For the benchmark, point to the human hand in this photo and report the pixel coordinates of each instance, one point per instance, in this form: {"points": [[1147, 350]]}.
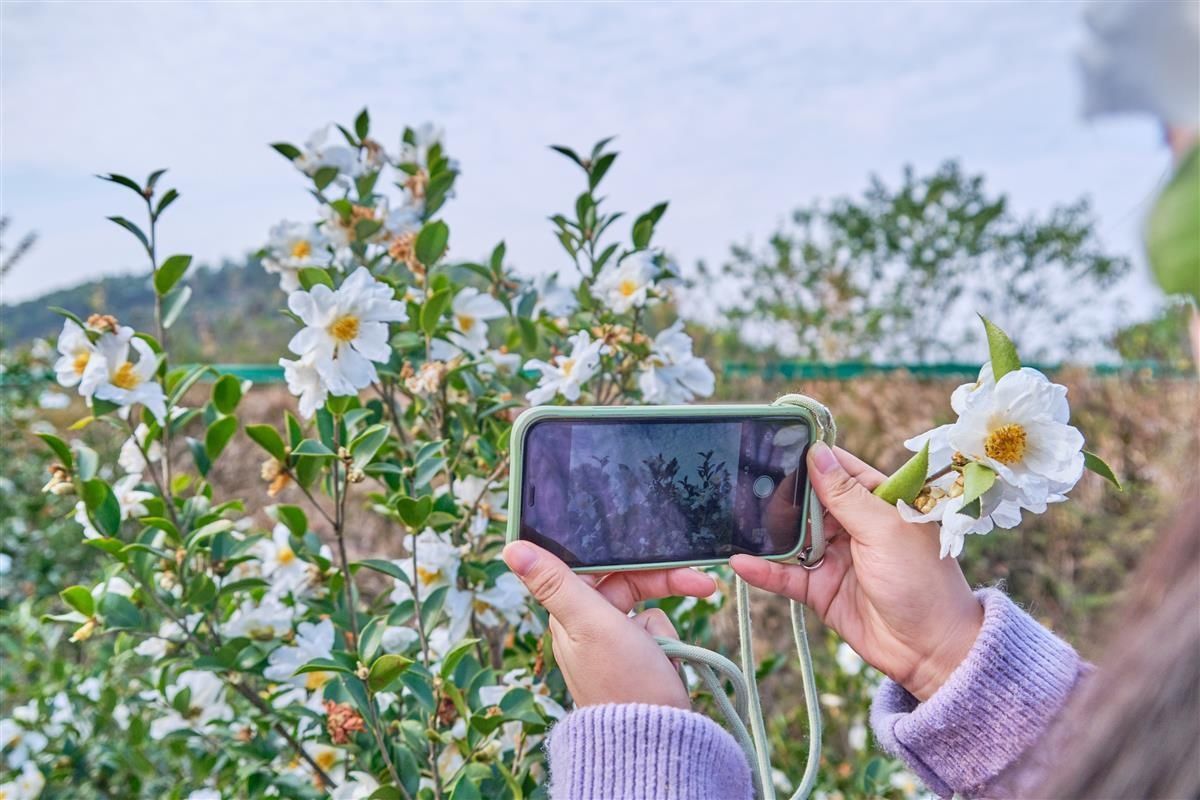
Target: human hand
{"points": [[605, 655], [882, 585]]}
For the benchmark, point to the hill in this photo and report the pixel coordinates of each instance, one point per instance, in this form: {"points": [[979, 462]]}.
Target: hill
{"points": [[233, 315]]}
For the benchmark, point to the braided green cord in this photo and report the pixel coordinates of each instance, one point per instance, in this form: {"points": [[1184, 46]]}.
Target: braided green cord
{"points": [[710, 665]]}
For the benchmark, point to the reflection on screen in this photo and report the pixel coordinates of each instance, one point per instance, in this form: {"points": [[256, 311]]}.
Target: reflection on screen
{"points": [[639, 492]]}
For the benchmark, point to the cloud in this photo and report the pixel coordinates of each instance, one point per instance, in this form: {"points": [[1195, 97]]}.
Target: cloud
{"points": [[735, 113]]}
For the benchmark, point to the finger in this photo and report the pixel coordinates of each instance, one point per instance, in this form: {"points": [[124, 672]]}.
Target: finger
{"points": [[551, 582], [788, 580], [626, 589], [657, 623], [862, 515], [862, 472]]}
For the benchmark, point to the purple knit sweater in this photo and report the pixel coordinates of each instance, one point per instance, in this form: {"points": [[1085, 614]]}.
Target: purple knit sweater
{"points": [[990, 712]]}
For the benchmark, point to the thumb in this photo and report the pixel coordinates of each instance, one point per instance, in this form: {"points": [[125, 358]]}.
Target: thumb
{"points": [[551, 582], [863, 515]]}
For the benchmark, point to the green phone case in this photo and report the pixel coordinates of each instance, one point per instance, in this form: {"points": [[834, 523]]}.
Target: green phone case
{"points": [[728, 411]]}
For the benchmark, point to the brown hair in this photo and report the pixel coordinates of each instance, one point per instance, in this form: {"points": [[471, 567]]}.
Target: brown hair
{"points": [[1133, 731]]}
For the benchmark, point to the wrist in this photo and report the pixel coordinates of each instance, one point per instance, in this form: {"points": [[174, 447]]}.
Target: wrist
{"points": [[951, 649]]}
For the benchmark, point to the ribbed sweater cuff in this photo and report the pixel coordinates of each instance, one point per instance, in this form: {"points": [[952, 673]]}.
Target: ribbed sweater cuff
{"points": [[993, 708], [636, 751]]}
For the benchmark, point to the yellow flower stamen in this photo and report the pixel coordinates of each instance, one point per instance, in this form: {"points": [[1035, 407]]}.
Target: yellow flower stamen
{"points": [[1006, 444], [465, 322], [285, 555], [326, 759], [627, 287], [344, 329], [427, 575], [301, 249], [125, 377], [568, 366], [316, 680], [81, 361]]}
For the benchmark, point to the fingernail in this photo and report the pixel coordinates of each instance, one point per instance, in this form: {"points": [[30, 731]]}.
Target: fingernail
{"points": [[520, 557], [823, 458]]}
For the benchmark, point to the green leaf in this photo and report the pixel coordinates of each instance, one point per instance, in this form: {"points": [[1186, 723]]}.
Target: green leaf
{"points": [[227, 393], [314, 276], [465, 789], [1099, 466], [977, 479], [380, 565], [201, 590], [906, 483], [435, 306], [121, 180], [218, 435], [324, 176], [294, 518], [88, 462], [167, 275], [568, 152], [599, 169], [119, 612], [1171, 241], [414, 511], [324, 665], [174, 303], [288, 151], [362, 124], [972, 509], [371, 638], [60, 448], [431, 242], [456, 654], [102, 507], [199, 456], [313, 448], [366, 444], [386, 669], [1002, 351], [169, 196], [132, 228], [266, 437], [80, 599], [643, 231]]}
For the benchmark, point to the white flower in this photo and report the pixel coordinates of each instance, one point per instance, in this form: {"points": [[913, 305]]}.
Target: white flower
{"points": [[130, 499], [360, 786], [848, 661], [131, 459], [75, 351], [288, 573], [424, 137], [1020, 430], [505, 601], [342, 231], [566, 374], [476, 491], [21, 744], [856, 737], [318, 154], [169, 633], [206, 706], [304, 381], [293, 246], [500, 360], [312, 641], [627, 284], [553, 299], [906, 783], [346, 329], [471, 311], [110, 375], [672, 374], [51, 399], [520, 678], [437, 565], [269, 619], [331, 759], [397, 639], [26, 786], [204, 794]]}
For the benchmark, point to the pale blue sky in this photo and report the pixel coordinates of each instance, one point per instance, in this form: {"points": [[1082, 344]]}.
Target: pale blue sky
{"points": [[735, 113]]}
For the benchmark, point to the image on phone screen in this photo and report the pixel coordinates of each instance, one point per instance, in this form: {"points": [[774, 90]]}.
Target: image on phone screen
{"points": [[624, 492]]}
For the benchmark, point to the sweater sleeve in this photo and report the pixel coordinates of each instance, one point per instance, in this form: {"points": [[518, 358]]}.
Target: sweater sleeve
{"points": [[993, 709], [635, 751]]}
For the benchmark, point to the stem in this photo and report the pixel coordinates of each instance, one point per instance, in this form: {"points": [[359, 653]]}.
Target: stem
{"points": [[487, 482], [161, 333]]}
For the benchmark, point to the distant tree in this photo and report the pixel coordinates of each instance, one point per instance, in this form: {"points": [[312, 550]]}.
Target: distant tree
{"points": [[1163, 339], [898, 273]]}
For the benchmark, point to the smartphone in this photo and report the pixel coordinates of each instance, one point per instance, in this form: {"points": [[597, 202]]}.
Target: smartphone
{"points": [[634, 487]]}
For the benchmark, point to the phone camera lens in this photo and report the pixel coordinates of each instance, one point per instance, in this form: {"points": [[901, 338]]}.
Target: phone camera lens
{"points": [[763, 486]]}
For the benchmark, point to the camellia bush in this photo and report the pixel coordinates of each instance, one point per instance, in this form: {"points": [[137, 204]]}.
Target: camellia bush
{"points": [[259, 656]]}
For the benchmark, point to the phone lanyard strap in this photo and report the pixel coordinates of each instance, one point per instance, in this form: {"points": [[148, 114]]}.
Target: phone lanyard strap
{"points": [[715, 669]]}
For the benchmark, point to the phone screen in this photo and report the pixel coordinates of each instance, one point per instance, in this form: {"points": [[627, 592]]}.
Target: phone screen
{"points": [[609, 492]]}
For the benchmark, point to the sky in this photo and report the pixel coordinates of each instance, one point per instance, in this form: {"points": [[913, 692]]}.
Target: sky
{"points": [[734, 113]]}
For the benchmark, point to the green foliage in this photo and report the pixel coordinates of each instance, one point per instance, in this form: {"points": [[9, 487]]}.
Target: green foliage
{"points": [[897, 273], [905, 483]]}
